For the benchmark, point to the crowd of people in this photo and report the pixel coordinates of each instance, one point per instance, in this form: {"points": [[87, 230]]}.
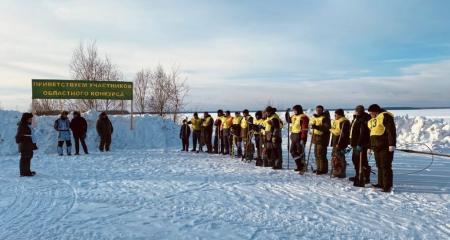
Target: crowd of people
{"points": [[259, 138], [65, 128]]}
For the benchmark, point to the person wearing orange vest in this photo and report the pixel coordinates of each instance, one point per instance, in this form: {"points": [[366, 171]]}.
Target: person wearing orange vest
{"points": [[218, 143], [299, 123], [226, 121], [340, 138], [383, 139], [320, 124], [196, 124]]}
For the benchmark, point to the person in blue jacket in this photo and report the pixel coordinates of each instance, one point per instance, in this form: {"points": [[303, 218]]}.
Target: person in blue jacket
{"points": [[62, 125]]}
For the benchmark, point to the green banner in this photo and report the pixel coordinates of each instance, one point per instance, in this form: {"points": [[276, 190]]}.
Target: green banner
{"points": [[81, 89]]}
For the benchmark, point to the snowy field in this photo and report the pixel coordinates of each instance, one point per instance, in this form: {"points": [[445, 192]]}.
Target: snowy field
{"points": [[146, 189]]}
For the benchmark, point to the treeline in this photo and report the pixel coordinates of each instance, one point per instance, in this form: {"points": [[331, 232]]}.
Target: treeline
{"points": [[156, 89]]}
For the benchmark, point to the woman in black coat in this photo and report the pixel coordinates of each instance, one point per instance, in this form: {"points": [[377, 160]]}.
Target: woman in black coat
{"points": [[27, 144]]}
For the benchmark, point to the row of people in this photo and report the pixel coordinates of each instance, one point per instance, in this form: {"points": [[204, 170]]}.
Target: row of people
{"points": [[244, 137]]}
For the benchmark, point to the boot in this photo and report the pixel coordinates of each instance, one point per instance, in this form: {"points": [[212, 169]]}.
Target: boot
{"points": [[60, 151], [69, 150]]}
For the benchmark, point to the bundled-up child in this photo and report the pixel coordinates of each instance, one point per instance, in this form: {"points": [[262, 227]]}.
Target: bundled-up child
{"points": [[185, 132]]}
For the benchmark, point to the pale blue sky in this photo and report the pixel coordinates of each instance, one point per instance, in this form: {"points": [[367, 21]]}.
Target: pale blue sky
{"points": [[242, 54]]}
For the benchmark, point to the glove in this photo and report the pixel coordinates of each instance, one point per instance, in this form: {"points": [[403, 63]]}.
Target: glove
{"points": [[358, 149], [314, 127], [35, 146], [391, 148]]}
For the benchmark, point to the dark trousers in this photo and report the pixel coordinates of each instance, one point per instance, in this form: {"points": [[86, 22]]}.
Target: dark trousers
{"points": [[79, 139], [258, 146], [105, 142], [297, 150], [185, 143], [216, 142], [207, 137], [365, 163], [195, 139], [384, 159], [320, 152], [226, 141], [25, 162]]}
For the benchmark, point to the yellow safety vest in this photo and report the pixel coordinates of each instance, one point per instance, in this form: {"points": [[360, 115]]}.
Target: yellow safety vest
{"points": [[196, 123], [226, 122], [207, 121], [336, 126], [259, 122], [237, 120], [296, 125], [376, 125], [244, 123], [318, 121]]}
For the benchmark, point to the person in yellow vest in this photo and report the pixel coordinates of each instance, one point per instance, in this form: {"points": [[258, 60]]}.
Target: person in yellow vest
{"points": [[247, 135], [258, 127], [207, 125], [383, 139], [320, 124], [196, 124], [340, 138], [236, 133], [218, 144], [299, 124], [226, 125], [273, 126]]}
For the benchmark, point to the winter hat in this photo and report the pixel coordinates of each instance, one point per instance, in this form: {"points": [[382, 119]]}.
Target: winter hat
{"points": [[298, 108], [374, 108], [339, 112]]}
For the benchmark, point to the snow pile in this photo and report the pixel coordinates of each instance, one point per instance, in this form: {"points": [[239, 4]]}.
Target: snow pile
{"points": [[433, 132], [150, 132]]}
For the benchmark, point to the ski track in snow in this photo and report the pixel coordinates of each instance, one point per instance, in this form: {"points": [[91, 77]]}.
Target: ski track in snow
{"points": [[165, 194]]}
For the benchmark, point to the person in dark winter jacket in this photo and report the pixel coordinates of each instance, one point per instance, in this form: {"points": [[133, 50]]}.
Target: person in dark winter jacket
{"points": [[26, 141], [383, 139], [62, 125], [105, 130], [360, 143], [185, 132], [79, 130], [218, 143], [299, 123], [340, 137], [207, 128], [320, 124]]}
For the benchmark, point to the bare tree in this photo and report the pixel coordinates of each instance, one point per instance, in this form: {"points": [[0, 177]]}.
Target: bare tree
{"points": [[87, 65], [141, 89], [160, 91], [179, 90]]}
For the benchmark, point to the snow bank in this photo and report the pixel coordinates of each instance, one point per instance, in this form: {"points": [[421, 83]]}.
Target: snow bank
{"points": [[433, 132], [150, 132]]}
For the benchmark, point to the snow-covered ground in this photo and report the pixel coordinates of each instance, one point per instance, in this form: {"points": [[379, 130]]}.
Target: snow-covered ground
{"points": [[146, 189]]}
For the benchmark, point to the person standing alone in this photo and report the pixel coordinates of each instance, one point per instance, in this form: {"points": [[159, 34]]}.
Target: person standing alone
{"points": [[26, 141]]}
